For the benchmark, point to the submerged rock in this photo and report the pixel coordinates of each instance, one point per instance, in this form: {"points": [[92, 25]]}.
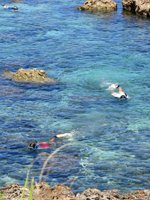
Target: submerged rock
{"points": [[139, 7], [9, 90], [29, 76], [99, 5]]}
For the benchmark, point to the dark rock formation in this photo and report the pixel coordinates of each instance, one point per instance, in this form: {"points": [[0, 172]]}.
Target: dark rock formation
{"points": [[99, 5], [139, 7], [9, 90], [29, 76]]}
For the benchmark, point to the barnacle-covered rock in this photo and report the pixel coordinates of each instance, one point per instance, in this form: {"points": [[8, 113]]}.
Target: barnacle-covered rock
{"points": [[99, 5], [29, 76], [139, 7]]}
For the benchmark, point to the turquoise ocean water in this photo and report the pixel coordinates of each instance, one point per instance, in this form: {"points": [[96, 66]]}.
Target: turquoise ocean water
{"points": [[110, 145]]}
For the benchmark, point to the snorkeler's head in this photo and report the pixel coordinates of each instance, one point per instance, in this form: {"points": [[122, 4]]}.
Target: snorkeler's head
{"points": [[32, 145], [117, 86]]}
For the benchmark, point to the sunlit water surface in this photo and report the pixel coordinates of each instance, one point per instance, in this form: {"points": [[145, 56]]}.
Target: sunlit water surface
{"points": [[110, 145]]}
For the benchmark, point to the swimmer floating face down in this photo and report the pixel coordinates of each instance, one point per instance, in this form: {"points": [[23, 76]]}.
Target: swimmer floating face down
{"points": [[46, 145], [13, 8]]}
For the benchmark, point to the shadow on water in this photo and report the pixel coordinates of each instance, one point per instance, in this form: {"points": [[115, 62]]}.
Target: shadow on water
{"points": [[132, 16], [101, 15]]}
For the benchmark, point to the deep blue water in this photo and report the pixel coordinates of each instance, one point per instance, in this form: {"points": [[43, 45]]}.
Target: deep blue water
{"points": [[110, 146]]}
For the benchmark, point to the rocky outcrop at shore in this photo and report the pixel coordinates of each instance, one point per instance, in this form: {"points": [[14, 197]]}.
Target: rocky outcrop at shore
{"points": [[98, 195], [43, 191], [99, 6], [29, 76], [139, 7]]}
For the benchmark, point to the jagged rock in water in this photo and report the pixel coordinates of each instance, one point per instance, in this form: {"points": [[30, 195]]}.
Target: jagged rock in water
{"points": [[29, 76], [99, 5], [139, 7]]}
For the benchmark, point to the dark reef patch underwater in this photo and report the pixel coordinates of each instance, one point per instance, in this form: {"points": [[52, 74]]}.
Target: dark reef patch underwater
{"points": [[109, 146]]}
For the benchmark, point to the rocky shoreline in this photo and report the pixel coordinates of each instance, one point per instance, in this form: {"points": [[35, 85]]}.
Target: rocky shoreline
{"points": [[42, 191], [138, 7]]}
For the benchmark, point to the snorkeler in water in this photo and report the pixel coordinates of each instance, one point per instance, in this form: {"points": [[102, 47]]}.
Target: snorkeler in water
{"points": [[7, 7], [46, 145], [120, 94], [41, 145]]}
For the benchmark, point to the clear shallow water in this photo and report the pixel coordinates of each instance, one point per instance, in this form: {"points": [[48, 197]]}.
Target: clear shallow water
{"points": [[85, 52]]}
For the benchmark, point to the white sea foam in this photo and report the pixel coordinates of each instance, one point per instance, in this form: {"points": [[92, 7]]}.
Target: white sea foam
{"points": [[112, 86], [108, 85]]}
